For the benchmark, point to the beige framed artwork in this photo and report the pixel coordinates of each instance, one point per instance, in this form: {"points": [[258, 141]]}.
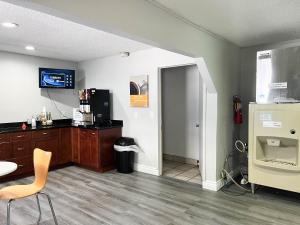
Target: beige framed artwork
{"points": [[139, 91]]}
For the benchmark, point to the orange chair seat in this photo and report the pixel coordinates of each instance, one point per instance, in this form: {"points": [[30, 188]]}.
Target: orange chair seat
{"points": [[41, 161], [19, 191]]}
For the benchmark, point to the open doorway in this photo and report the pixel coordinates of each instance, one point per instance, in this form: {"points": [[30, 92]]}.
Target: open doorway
{"points": [[181, 108]]}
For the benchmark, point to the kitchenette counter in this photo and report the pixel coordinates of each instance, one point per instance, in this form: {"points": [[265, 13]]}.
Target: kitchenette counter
{"points": [[91, 147], [64, 123]]}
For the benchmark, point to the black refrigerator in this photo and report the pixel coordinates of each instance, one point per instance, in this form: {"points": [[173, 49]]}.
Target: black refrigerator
{"points": [[100, 106]]}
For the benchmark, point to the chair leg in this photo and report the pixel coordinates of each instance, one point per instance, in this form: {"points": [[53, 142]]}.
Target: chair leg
{"points": [[51, 207], [39, 208], [8, 211]]}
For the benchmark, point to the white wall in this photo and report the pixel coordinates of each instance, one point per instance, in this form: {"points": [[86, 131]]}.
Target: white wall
{"points": [[145, 22], [20, 94], [140, 123], [181, 111]]}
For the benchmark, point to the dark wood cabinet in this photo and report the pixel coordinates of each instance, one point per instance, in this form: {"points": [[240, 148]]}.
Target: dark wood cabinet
{"points": [[4, 138], [75, 144], [25, 165], [95, 148], [65, 146], [90, 148], [21, 148], [22, 152], [48, 141], [5, 149], [20, 136], [107, 154]]}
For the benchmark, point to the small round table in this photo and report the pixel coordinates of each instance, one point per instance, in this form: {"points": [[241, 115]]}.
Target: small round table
{"points": [[7, 167]]}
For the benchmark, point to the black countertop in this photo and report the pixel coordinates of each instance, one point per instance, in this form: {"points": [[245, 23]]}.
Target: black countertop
{"points": [[17, 127]]}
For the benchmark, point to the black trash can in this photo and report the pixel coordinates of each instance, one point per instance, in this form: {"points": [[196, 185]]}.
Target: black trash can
{"points": [[124, 158]]}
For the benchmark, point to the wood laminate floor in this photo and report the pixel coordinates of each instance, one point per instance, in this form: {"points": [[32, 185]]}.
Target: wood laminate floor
{"points": [[88, 198]]}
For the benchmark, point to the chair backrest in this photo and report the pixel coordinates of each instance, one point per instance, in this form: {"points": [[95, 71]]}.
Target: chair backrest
{"points": [[41, 160]]}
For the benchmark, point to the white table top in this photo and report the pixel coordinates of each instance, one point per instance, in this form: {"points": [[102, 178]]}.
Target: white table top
{"points": [[7, 167]]}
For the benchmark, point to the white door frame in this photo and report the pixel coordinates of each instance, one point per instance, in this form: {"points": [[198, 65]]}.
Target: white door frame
{"points": [[208, 126], [202, 129]]}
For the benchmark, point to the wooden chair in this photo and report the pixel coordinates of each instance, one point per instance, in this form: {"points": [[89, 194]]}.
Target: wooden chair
{"points": [[41, 166]]}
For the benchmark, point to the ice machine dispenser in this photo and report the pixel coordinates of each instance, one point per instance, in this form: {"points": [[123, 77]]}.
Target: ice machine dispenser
{"points": [[274, 145]]}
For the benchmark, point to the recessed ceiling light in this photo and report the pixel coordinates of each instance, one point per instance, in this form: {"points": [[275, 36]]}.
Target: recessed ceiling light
{"points": [[29, 48], [10, 25]]}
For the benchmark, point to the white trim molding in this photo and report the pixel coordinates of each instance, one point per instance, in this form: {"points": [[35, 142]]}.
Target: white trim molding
{"points": [[217, 185], [146, 169], [213, 185]]}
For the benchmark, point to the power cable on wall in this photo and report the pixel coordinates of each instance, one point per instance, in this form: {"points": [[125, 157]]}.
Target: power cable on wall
{"points": [[54, 103], [242, 148]]}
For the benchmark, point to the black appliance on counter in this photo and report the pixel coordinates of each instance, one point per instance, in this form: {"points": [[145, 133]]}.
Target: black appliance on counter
{"points": [[94, 109], [100, 106]]}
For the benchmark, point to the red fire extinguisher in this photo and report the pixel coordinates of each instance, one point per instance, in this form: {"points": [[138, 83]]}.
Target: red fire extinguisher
{"points": [[237, 110]]}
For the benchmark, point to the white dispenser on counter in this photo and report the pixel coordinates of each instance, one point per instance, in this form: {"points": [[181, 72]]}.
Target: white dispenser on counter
{"points": [[82, 118]]}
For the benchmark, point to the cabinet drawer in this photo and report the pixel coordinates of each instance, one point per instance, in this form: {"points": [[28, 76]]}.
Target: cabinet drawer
{"points": [[21, 148], [25, 165], [5, 150], [44, 134], [21, 136], [89, 133], [4, 138]]}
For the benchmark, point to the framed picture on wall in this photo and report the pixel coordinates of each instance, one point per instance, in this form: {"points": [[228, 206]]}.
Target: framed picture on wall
{"points": [[139, 91]]}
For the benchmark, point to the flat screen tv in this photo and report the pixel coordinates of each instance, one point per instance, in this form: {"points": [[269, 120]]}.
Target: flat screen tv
{"points": [[56, 78]]}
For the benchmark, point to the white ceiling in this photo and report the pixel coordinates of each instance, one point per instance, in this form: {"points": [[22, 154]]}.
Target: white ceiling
{"points": [[58, 38], [243, 22]]}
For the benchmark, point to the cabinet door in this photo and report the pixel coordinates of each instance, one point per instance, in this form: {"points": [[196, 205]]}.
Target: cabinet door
{"points": [[94, 156], [50, 144], [4, 138], [5, 150], [89, 148], [75, 144], [22, 148], [47, 140], [25, 165], [107, 153], [65, 146]]}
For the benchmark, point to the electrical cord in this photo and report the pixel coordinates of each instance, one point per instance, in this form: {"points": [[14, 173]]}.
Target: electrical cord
{"points": [[241, 144], [226, 191], [242, 148], [54, 103], [236, 183]]}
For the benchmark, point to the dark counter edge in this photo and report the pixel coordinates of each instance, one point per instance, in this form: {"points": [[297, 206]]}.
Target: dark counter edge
{"points": [[62, 123]]}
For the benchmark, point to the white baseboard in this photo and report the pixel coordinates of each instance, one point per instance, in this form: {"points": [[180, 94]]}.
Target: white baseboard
{"points": [[146, 169], [212, 185], [217, 185]]}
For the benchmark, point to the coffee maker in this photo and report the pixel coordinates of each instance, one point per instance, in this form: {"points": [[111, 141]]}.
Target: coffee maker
{"points": [[94, 108], [100, 106]]}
